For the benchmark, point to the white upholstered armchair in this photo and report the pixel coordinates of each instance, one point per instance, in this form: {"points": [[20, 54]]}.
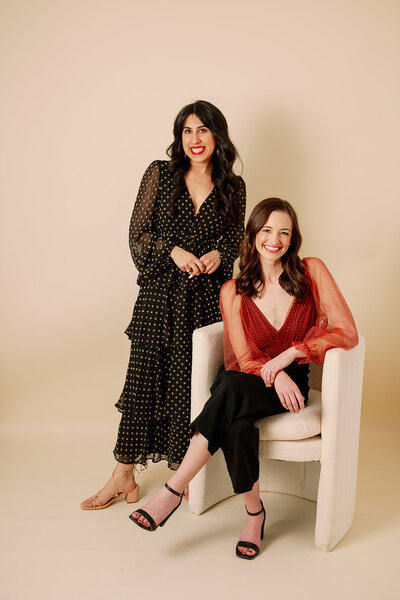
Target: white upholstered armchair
{"points": [[312, 454]]}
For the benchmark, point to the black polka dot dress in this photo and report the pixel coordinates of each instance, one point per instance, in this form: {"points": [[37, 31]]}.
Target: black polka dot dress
{"points": [[155, 401]]}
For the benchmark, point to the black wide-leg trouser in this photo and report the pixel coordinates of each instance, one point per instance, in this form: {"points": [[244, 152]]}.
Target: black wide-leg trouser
{"points": [[227, 419]]}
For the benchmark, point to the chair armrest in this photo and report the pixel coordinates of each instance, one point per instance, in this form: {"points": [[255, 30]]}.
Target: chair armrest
{"points": [[342, 379], [208, 356], [340, 427]]}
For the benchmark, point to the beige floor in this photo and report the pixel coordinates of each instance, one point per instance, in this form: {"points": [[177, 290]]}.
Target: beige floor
{"points": [[52, 549]]}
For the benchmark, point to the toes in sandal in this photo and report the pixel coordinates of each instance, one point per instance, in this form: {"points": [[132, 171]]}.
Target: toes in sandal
{"points": [[250, 545], [150, 519], [130, 497]]}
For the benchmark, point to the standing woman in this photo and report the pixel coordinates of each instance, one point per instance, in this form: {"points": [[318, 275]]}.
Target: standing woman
{"points": [[185, 232]]}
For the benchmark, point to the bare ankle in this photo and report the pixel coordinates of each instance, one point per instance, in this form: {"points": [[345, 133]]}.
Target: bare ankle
{"points": [[123, 469], [254, 506], [178, 487]]}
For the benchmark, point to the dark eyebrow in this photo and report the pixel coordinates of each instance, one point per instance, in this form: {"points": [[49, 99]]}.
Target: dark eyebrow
{"points": [[199, 127], [283, 228]]}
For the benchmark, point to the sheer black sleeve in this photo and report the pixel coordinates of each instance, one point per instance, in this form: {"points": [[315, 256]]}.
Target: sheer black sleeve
{"points": [[150, 253], [229, 242]]}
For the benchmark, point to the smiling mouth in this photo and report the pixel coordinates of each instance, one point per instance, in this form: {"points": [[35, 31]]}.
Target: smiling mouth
{"points": [[196, 150], [272, 249]]}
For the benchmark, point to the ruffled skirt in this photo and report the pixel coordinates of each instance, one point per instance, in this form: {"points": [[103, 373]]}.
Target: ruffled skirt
{"points": [[155, 401]]}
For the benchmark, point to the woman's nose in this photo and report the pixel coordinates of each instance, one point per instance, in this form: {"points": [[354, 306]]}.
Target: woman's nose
{"points": [[274, 240]]}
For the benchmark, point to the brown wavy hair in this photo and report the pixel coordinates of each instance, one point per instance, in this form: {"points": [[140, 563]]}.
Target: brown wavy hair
{"points": [[293, 279]]}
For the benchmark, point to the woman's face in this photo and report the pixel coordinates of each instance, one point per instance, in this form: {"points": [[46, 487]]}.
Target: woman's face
{"points": [[273, 239], [197, 140]]}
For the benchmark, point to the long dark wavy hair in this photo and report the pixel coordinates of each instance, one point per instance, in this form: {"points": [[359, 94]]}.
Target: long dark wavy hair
{"points": [[293, 279], [225, 181]]}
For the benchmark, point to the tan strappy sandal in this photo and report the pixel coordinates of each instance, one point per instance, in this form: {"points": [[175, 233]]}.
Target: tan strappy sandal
{"points": [[130, 497]]}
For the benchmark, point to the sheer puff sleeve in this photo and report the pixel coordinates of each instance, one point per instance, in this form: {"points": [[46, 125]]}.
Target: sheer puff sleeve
{"points": [[334, 327], [150, 253], [240, 353]]}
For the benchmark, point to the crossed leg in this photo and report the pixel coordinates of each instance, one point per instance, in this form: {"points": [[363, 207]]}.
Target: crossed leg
{"points": [[195, 458]]}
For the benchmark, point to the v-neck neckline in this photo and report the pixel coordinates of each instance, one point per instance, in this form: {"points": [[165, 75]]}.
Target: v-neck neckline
{"points": [[201, 205], [289, 310]]}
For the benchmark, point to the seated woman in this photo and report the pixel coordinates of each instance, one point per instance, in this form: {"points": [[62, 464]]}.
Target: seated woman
{"points": [[279, 314]]}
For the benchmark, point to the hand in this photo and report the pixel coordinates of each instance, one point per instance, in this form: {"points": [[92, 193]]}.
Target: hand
{"points": [[211, 261], [271, 368], [288, 392], [186, 261]]}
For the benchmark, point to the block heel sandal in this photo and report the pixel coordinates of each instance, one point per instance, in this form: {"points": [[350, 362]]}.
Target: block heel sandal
{"points": [[250, 545], [130, 497], [150, 519]]}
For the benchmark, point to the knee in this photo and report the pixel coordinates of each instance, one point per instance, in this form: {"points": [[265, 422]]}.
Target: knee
{"points": [[241, 430]]}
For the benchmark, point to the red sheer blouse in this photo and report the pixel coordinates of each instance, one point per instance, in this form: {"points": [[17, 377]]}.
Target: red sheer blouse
{"points": [[322, 320]]}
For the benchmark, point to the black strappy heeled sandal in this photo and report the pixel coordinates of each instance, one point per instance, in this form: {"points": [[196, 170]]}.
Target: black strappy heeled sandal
{"points": [[250, 545], [150, 519]]}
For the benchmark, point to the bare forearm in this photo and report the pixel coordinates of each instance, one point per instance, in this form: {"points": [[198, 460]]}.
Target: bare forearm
{"points": [[278, 363]]}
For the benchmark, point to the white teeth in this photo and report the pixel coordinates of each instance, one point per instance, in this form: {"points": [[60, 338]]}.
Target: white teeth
{"points": [[197, 150], [272, 248]]}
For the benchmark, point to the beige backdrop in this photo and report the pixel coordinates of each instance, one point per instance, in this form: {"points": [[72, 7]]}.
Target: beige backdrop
{"points": [[90, 89]]}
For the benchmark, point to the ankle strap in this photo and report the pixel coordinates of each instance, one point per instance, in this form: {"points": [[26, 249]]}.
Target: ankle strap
{"points": [[257, 513], [173, 491]]}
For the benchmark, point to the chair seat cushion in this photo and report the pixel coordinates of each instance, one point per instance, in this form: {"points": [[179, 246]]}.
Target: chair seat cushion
{"points": [[294, 426]]}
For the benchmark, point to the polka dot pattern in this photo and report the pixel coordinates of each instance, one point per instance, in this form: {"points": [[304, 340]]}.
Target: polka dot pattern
{"points": [[155, 401]]}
